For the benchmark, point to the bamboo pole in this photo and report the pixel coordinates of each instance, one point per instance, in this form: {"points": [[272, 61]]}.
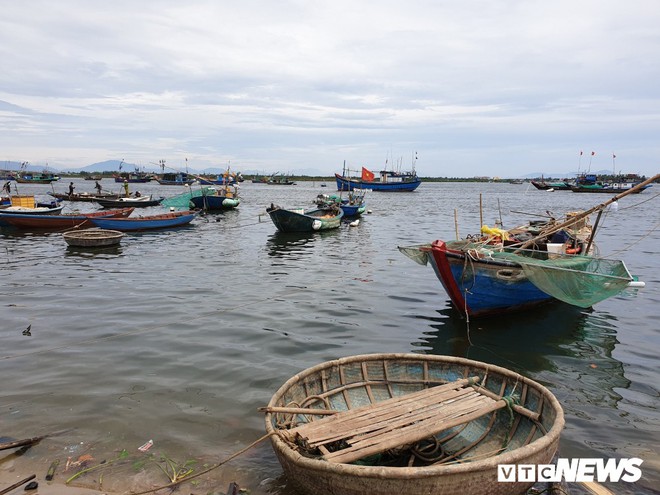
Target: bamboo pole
{"points": [[456, 223], [582, 215], [16, 485]]}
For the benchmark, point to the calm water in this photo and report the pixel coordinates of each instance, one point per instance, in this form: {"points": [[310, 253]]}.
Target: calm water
{"points": [[179, 336]]}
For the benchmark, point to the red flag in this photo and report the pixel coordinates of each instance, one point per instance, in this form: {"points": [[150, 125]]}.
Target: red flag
{"points": [[367, 175], [593, 153]]}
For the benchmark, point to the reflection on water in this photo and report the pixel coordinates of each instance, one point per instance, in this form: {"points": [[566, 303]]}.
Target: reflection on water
{"points": [[291, 244]]}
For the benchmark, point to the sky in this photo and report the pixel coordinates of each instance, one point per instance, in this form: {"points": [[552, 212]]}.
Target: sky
{"points": [[470, 88]]}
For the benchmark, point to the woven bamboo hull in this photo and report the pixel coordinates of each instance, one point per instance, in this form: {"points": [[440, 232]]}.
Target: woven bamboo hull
{"points": [[470, 472], [93, 238]]}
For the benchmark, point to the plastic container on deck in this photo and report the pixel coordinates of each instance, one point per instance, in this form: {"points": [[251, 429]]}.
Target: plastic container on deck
{"points": [[24, 201], [555, 249]]}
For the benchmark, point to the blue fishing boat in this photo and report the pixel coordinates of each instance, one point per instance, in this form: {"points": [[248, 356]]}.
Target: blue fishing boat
{"points": [[387, 181], [135, 224], [518, 269], [302, 220], [352, 206]]}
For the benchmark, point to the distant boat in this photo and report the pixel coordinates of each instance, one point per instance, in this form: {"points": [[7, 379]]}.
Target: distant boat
{"points": [[175, 179], [557, 186], [227, 178], [135, 224], [35, 178], [133, 177], [591, 183], [280, 180], [93, 177], [387, 181], [301, 220], [139, 202], [58, 222], [6, 175]]}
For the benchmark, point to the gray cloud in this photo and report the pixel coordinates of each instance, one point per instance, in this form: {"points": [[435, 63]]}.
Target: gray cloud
{"points": [[487, 87]]}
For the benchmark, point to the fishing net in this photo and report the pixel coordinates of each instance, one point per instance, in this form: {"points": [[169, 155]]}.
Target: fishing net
{"points": [[415, 253], [578, 280], [183, 200]]}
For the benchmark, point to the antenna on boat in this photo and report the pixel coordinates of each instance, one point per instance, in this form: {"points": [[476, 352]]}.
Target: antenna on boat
{"points": [[591, 158], [613, 166]]}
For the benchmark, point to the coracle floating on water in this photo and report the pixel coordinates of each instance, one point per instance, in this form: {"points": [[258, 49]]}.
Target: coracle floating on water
{"points": [[93, 238], [380, 424]]}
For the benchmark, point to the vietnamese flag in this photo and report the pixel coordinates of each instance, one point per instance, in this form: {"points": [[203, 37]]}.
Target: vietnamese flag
{"points": [[367, 175]]}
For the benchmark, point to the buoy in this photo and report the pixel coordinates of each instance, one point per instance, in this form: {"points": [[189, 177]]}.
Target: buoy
{"points": [[369, 212], [355, 223]]}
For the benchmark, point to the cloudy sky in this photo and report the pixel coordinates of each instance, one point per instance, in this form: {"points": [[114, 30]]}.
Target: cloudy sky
{"points": [[474, 87]]}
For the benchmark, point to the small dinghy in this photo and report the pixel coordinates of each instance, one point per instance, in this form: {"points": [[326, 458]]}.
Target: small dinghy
{"points": [[93, 238], [406, 424]]}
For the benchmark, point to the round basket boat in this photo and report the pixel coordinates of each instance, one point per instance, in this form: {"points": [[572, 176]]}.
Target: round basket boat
{"points": [[93, 237], [383, 424]]}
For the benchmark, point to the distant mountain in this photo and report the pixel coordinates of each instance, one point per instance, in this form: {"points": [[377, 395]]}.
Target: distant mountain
{"points": [[114, 166], [9, 165]]}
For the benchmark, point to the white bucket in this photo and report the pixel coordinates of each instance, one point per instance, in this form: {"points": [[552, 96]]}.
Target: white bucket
{"points": [[554, 249]]}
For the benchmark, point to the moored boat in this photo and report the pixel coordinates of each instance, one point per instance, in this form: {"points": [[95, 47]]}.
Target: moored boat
{"points": [[590, 183], [83, 196], [32, 210], [406, 424], [58, 222], [302, 220], [557, 185], [175, 179], [216, 199], [354, 205], [151, 222], [506, 271], [133, 177], [137, 202]]}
